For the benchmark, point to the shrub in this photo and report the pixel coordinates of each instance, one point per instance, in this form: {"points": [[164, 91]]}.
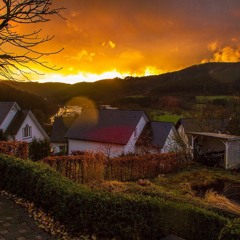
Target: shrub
{"points": [[39, 148], [88, 166], [80, 168], [105, 214], [14, 148], [130, 167], [231, 231]]}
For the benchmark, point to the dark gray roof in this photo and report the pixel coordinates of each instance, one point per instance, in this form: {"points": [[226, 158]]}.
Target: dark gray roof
{"points": [[17, 121], [109, 126], [155, 134], [5, 107], [60, 127], [160, 132], [203, 125]]}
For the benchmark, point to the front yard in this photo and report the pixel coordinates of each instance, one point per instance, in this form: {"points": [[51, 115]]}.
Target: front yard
{"points": [[211, 188]]}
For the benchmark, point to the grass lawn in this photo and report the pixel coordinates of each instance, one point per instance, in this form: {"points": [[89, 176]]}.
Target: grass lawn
{"points": [[167, 118], [196, 184]]}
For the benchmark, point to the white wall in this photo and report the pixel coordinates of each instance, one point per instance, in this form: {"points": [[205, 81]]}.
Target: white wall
{"points": [[36, 133], [9, 118], [233, 154], [183, 135], [111, 150], [130, 147], [108, 149], [171, 143]]}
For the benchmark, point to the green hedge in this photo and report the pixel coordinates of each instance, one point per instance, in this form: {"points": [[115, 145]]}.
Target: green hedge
{"points": [[231, 230], [105, 214]]}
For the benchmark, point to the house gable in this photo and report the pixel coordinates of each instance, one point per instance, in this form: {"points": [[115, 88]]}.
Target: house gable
{"points": [[171, 144], [60, 127], [114, 129], [8, 110], [25, 127], [111, 126], [158, 137], [130, 146]]}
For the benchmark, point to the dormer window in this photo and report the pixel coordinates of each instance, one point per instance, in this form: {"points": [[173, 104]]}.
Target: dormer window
{"points": [[27, 131]]}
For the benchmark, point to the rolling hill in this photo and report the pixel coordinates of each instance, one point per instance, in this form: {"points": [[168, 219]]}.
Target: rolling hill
{"points": [[38, 105], [202, 79]]}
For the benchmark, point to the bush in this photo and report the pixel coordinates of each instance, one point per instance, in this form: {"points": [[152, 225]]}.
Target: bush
{"points": [[89, 166], [39, 148], [132, 167], [14, 148], [82, 168], [105, 214], [231, 231]]}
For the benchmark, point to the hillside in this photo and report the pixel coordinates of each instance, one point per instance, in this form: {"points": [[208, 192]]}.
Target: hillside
{"points": [[203, 79], [41, 108], [45, 90]]}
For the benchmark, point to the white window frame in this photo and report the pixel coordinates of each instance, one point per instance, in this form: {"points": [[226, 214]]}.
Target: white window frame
{"points": [[27, 131]]}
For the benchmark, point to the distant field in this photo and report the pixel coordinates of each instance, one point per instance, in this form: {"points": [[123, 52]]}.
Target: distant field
{"points": [[205, 99], [167, 118]]}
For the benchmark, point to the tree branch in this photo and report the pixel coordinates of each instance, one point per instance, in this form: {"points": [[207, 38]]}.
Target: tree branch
{"points": [[24, 45]]}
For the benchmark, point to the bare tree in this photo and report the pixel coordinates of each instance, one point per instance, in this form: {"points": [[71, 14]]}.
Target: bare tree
{"points": [[18, 50], [108, 149]]}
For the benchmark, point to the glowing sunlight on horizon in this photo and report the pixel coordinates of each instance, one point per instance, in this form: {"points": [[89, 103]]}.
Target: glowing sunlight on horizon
{"points": [[92, 77]]}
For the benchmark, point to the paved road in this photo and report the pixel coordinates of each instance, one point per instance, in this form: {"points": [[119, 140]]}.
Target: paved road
{"points": [[15, 224]]}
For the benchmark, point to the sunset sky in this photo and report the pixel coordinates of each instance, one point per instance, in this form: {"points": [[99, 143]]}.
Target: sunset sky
{"points": [[116, 38]]}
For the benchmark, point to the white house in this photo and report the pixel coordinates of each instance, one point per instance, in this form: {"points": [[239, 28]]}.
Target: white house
{"points": [[111, 131], [159, 137], [59, 128], [19, 125]]}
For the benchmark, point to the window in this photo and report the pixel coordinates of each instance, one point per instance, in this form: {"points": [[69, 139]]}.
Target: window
{"points": [[27, 131]]}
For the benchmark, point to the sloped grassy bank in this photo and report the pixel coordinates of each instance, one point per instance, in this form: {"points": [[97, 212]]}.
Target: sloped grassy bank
{"points": [[108, 215]]}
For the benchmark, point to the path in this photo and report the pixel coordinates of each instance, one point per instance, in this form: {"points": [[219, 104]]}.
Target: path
{"points": [[15, 224]]}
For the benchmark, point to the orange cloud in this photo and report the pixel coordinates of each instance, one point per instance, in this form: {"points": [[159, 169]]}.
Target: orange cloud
{"points": [[213, 46], [223, 54], [227, 54], [131, 55], [109, 44], [140, 37]]}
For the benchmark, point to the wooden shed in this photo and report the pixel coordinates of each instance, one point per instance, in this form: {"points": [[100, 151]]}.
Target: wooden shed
{"points": [[229, 145]]}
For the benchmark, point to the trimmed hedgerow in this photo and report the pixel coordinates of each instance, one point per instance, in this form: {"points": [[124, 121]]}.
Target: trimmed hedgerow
{"points": [[88, 166], [127, 168], [106, 214], [14, 148], [82, 168]]}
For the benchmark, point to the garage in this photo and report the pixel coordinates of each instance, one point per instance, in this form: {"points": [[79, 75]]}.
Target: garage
{"points": [[222, 149]]}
